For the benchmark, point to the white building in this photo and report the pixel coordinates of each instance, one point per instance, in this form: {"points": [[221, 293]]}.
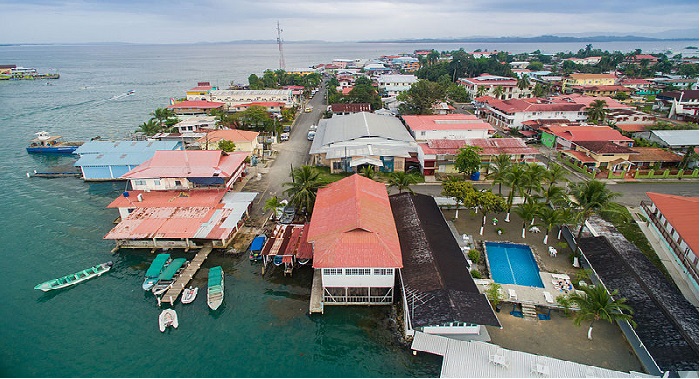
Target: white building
{"points": [[511, 113], [233, 98], [393, 85], [486, 84]]}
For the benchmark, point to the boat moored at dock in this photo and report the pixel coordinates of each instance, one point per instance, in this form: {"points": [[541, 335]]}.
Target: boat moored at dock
{"points": [[215, 288], [168, 276], [189, 294], [76, 278], [44, 143], [157, 266], [256, 247]]}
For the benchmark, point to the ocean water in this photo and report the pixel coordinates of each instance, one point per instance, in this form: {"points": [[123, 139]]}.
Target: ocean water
{"points": [[107, 327]]}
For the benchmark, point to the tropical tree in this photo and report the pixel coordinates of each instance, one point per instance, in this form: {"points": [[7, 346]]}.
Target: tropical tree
{"points": [[480, 90], [468, 160], [554, 194], [555, 173], [523, 83], [597, 111], [402, 181], [498, 92], [485, 202], [498, 169], [227, 146], [458, 190], [419, 99], [538, 90], [532, 180], [150, 127], [368, 172], [589, 197], [527, 212], [162, 115], [514, 179], [273, 203], [549, 217], [303, 187], [595, 303], [494, 294]]}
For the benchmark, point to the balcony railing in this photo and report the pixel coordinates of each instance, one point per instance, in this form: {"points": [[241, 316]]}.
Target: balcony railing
{"points": [[682, 256]]}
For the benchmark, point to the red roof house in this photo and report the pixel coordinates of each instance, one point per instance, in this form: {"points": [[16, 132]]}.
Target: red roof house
{"points": [[682, 213], [352, 226]]}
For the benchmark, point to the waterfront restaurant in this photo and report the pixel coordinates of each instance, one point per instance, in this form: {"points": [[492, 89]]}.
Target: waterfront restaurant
{"points": [[355, 244]]}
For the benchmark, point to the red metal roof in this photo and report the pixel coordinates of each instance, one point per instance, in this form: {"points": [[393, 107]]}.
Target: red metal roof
{"points": [[199, 198], [633, 127], [586, 133], [682, 213], [197, 104], [188, 164], [233, 135], [579, 155], [446, 122], [489, 146], [352, 226]]}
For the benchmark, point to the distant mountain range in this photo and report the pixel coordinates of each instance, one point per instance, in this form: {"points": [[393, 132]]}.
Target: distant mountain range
{"points": [[538, 39]]}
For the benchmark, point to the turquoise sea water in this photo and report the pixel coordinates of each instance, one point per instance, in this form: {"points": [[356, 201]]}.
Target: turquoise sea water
{"points": [[107, 327]]}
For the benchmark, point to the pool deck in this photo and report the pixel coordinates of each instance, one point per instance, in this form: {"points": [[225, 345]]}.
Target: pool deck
{"points": [[526, 294]]}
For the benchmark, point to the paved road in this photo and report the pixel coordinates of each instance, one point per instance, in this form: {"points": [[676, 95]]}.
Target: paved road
{"points": [[289, 154], [632, 192]]}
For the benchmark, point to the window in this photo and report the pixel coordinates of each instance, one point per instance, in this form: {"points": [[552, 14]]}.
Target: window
{"points": [[178, 183], [156, 182], [357, 271], [332, 271], [139, 182], [383, 271]]}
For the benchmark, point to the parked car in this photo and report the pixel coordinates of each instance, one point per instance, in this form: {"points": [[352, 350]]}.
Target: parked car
{"points": [[310, 136], [288, 215], [307, 110], [284, 137], [287, 128]]}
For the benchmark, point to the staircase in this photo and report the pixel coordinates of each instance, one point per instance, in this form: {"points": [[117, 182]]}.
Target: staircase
{"points": [[529, 311]]}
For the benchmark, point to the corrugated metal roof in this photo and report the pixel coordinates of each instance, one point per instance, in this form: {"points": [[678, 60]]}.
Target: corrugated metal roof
{"points": [[467, 359], [188, 164], [169, 199], [678, 137], [113, 159], [104, 147], [682, 213], [352, 226]]}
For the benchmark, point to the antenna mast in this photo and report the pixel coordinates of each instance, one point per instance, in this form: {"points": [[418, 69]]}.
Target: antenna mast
{"points": [[279, 45]]}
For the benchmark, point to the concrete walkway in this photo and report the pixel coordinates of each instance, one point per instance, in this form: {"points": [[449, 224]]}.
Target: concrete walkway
{"points": [[666, 257]]}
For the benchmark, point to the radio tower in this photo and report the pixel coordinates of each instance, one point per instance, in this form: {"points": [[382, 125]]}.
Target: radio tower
{"points": [[279, 45]]}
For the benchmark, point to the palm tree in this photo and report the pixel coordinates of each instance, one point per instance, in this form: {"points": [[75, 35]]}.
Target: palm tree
{"points": [[480, 90], [554, 194], [597, 111], [523, 82], [273, 204], [368, 172], [555, 173], [500, 165], [150, 127], [162, 114], [538, 90], [550, 217], [589, 197], [534, 173], [498, 92], [402, 181], [303, 187], [597, 304], [527, 211], [514, 179]]}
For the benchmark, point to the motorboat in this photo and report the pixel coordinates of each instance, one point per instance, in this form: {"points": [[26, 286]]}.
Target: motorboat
{"points": [[44, 143], [215, 287], [167, 318], [189, 294], [157, 266], [168, 276], [256, 247], [72, 279]]}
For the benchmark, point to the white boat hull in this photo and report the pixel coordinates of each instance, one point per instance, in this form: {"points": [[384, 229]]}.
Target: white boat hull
{"points": [[167, 318], [189, 295]]}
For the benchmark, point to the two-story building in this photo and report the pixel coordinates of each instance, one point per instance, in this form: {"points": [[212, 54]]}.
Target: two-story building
{"points": [[512, 113], [564, 137], [200, 92], [486, 84], [232, 98], [355, 243], [584, 80], [245, 140], [453, 126], [189, 108], [393, 85]]}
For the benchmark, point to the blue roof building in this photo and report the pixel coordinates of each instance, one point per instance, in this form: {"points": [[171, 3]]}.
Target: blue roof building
{"points": [[107, 160]]}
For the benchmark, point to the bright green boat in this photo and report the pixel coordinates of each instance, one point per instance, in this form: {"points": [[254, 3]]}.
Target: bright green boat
{"points": [[215, 290], [167, 277], [76, 278]]}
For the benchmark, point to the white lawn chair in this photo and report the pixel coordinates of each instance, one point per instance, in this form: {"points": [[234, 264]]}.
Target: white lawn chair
{"points": [[548, 297], [512, 295]]}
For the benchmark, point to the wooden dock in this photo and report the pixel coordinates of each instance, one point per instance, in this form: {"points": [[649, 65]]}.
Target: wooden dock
{"points": [[316, 302], [171, 295]]}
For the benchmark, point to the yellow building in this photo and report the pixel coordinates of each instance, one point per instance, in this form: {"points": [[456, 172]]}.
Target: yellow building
{"points": [[587, 80], [244, 140], [601, 154]]}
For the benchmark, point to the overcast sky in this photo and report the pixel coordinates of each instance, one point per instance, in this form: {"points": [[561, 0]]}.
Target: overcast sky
{"points": [[185, 21]]}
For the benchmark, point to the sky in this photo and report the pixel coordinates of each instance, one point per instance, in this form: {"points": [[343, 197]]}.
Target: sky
{"points": [[191, 21]]}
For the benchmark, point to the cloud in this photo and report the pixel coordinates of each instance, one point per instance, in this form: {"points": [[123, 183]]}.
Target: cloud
{"points": [[179, 21]]}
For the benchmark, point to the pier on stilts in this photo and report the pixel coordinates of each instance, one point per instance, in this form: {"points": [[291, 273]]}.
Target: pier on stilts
{"points": [[181, 282], [316, 301]]}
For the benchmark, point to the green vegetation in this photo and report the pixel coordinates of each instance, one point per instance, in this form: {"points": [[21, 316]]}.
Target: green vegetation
{"points": [[597, 304], [494, 294], [474, 256], [227, 146], [303, 187], [468, 160], [475, 274]]}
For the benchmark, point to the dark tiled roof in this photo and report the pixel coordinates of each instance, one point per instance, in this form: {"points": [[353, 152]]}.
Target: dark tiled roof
{"points": [[435, 269], [604, 147], [667, 323]]}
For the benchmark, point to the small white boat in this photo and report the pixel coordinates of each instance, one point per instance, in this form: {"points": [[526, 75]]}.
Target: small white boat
{"points": [[215, 289], [167, 318], [189, 294]]}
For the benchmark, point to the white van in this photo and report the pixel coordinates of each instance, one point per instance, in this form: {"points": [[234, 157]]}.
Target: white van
{"points": [[311, 135]]}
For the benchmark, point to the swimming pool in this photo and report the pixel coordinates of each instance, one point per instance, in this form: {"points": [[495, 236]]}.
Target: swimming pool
{"points": [[513, 264]]}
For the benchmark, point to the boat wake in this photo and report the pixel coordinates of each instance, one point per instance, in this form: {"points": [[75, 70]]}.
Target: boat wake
{"points": [[123, 95]]}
